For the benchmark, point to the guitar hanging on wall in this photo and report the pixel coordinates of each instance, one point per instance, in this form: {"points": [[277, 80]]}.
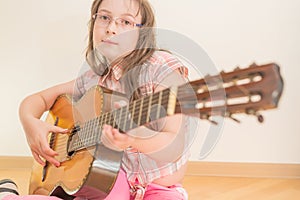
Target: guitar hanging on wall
{"points": [[87, 163]]}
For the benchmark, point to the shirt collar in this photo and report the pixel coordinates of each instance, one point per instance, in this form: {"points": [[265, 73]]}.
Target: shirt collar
{"points": [[115, 71]]}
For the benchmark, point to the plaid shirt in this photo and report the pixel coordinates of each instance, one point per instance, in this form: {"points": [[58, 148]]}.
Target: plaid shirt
{"points": [[140, 167]]}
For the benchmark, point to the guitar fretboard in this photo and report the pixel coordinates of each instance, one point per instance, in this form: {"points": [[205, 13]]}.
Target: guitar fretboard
{"points": [[139, 112]]}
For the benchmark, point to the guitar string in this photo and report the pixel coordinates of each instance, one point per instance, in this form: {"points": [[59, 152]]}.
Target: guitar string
{"points": [[123, 115], [130, 110], [86, 128]]}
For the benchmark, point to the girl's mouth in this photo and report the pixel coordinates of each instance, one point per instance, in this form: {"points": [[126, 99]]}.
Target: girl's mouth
{"points": [[109, 42]]}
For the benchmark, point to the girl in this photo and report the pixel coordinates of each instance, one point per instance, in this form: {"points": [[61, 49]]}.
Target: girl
{"points": [[123, 57]]}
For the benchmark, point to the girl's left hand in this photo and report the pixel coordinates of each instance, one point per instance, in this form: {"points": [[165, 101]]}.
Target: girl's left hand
{"points": [[115, 140]]}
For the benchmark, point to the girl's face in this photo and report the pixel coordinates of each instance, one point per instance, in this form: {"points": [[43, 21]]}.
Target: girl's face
{"points": [[115, 33]]}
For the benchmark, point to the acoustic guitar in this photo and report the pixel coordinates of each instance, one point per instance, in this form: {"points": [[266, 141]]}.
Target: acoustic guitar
{"points": [[87, 164]]}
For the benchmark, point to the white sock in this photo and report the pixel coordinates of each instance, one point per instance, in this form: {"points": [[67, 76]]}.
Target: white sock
{"points": [[7, 185]]}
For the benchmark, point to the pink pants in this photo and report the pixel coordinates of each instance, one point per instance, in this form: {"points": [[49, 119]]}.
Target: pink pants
{"points": [[120, 191]]}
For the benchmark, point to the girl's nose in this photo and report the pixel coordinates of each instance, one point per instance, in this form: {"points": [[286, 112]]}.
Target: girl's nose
{"points": [[112, 28]]}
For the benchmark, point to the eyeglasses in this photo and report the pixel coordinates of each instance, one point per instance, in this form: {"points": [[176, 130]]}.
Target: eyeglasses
{"points": [[104, 21]]}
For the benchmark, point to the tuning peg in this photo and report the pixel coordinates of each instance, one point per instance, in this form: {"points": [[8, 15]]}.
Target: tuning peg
{"points": [[237, 68], [212, 121], [207, 76], [260, 118], [208, 118], [253, 65], [234, 119], [229, 115]]}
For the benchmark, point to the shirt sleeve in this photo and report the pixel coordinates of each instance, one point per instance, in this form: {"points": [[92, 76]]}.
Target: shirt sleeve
{"points": [[157, 68], [166, 64], [84, 82]]}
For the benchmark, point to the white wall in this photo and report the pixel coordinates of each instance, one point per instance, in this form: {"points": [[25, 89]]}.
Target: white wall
{"points": [[42, 43]]}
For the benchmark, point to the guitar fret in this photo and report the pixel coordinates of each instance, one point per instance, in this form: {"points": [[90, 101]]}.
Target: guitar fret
{"points": [[156, 106], [159, 104], [120, 118], [144, 107], [79, 136], [140, 112], [135, 116], [149, 109], [152, 105], [105, 118], [89, 134], [100, 126], [165, 101], [94, 133], [109, 119], [84, 136], [78, 140], [125, 118], [132, 115], [114, 118]]}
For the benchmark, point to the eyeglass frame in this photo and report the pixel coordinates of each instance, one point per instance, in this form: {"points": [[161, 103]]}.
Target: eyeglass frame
{"points": [[111, 19]]}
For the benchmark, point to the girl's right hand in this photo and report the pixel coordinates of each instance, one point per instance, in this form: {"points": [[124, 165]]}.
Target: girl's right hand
{"points": [[37, 132]]}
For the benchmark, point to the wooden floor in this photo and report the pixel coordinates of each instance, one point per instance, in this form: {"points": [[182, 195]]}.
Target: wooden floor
{"points": [[212, 188], [229, 188]]}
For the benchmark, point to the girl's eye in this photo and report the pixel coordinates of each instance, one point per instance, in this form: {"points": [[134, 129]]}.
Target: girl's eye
{"points": [[126, 22], [104, 17]]}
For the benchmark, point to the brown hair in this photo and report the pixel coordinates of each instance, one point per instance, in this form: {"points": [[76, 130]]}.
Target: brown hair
{"points": [[146, 44]]}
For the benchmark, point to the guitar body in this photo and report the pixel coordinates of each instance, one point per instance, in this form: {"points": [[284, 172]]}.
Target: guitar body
{"points": [[93, 168]]}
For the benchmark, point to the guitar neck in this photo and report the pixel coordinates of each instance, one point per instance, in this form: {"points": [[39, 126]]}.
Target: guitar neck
{"points": [[240, 91]]}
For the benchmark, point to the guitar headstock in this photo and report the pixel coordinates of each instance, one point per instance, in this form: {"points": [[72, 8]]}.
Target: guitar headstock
{"points": [[247, 90]]}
